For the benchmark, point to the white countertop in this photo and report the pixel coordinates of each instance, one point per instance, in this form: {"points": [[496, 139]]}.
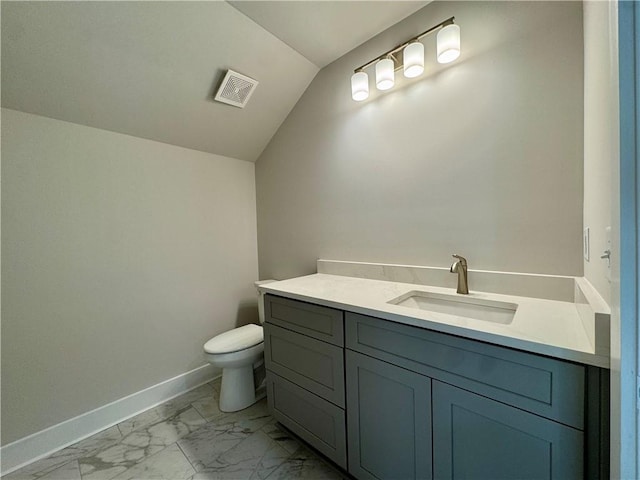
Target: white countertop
{"points": [[547, 327]]}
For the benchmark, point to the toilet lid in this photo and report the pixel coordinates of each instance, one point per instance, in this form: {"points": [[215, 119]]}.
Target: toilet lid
{"points": [[235, 340]]}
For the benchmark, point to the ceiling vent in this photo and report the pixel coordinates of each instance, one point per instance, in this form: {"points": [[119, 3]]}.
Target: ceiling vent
{"points": [[236, 89]]}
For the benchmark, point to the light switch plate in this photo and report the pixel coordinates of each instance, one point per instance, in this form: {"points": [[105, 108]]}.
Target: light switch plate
{"points": [[585, 243], [607, 236]]}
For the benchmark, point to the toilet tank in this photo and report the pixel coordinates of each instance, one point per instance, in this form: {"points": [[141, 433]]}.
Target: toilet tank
{"points": [[261, 298]]}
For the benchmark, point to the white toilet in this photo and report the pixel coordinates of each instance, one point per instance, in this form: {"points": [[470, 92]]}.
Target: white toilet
{"points": [[237, 352]]}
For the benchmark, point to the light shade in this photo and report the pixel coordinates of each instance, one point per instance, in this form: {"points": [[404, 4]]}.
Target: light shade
{"points": [[384, 74], [448, 43], [413, 59], [359, 86]]}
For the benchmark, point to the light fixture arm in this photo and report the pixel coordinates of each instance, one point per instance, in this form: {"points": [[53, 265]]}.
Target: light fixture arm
{"points": [[390, 53]]}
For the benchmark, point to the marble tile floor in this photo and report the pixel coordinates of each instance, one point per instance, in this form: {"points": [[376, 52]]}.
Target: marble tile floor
{"points": [[186, 438]]}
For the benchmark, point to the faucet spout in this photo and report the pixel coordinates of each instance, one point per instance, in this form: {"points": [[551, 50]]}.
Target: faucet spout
{"points": [[460, 267]]}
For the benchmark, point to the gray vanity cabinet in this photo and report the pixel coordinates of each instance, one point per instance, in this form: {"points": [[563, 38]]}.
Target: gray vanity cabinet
{"points": [[389, 421], [478, 438], [385, 400]]}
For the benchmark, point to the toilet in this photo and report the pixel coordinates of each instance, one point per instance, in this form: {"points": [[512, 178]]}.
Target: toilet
{"points": [[238, 352]]}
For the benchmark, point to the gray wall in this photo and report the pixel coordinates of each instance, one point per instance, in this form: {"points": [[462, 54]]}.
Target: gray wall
{"points": [[481, 157], [600, 135], [120, 258]]}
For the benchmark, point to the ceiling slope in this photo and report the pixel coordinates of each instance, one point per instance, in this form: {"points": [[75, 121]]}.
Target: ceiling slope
{"points": [[150, 69], [324, 30]]}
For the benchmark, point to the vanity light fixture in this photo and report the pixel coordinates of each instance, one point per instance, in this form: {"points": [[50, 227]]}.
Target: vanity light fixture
{"points": [[359, 86], [408, 56], [385, 74], [448, 43], [413, 55]]}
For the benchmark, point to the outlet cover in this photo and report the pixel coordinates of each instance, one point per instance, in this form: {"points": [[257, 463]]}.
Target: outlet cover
{"points": [[585, 244]]}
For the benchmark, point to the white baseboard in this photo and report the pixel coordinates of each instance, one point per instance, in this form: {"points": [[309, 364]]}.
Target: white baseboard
{"points": [[41, 444]]}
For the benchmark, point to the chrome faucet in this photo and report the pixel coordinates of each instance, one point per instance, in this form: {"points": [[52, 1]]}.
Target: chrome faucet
{"points": [[460, 267]]}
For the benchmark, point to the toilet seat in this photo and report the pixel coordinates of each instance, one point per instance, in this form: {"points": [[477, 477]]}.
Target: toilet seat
{"points": [[235, 340]]}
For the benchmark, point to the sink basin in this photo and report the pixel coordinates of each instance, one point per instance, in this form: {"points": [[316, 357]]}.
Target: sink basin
{"points": [[478, 309]]}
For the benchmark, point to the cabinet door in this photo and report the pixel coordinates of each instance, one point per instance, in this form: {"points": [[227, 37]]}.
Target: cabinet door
{"points": [[388, 420], [478, 438]]}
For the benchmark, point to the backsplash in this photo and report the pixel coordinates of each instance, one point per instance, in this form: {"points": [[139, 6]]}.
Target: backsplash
{"points": [[550, 287]]}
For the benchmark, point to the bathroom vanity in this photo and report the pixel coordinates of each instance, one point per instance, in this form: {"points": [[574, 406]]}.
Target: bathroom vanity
{"points": [[393, 396]]}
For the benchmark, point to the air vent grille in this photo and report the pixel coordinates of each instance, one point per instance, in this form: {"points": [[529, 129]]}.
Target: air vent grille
{"points": [[236, 89]]}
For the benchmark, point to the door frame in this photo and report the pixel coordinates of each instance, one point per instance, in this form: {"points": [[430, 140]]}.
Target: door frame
{"points": [[625, 413]]}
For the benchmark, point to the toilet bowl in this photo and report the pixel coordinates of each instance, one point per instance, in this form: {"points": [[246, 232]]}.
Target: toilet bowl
{"points": [[237, 352]]}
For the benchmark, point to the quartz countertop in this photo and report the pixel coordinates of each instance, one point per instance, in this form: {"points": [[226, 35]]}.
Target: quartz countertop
{"points": [[547, 327]]}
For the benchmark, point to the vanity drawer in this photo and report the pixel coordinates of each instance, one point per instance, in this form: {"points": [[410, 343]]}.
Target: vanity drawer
{"points": [[318, 422], [323, 323], [551, 388], [314, 365]]}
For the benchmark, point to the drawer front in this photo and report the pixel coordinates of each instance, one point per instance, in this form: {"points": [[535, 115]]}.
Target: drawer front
{"points": [[318, 422], [314, 365], [551, 388], [323, 323]]}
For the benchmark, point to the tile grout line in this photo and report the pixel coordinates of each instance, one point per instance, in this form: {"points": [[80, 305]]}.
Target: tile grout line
{"points": [[185, 456], [195, 471]]}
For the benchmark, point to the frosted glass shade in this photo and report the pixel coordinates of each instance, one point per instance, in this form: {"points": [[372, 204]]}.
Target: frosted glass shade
{"points": [[413, 59], [384, 74], [359, 86], [448, 43]]}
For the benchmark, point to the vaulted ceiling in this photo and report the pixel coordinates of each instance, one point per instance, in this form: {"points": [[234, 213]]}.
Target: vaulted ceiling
{"points": [[323, 31], [151, 69]]}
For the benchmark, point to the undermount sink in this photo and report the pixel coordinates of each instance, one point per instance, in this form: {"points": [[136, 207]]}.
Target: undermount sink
{"points": [[476, 308]]}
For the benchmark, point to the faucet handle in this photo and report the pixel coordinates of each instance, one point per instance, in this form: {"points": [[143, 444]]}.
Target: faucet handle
{"points": [[461, 258]]}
